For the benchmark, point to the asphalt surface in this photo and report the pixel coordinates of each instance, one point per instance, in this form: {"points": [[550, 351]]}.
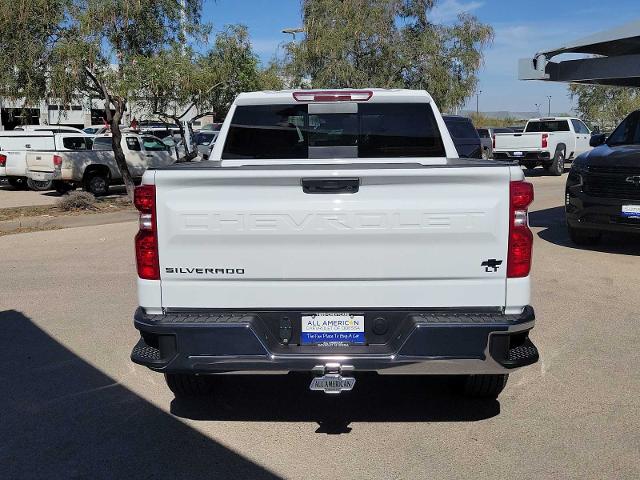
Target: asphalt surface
{"points": [[74, 406]]}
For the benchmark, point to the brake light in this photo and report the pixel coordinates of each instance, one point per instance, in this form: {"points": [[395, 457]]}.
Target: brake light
{"points": [[493, 138], [545, 140], [3, 160], [333, 96], [57, 161], [147, 236], [520, 237]]}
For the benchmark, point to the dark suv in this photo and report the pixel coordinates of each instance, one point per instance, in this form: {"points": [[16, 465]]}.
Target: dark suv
{"points": [[603, 186], [464, 135]]}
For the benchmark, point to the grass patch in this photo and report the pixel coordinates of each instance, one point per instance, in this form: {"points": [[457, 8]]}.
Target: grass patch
{"points": [[101, 205]]}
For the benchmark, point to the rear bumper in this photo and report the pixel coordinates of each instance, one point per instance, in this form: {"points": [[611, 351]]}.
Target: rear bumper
{"points": [[597, 213], [535, 156], [419, 342]]}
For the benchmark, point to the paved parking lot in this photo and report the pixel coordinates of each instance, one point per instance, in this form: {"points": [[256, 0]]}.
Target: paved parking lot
{"points": [[10, 197], [73, 405]]}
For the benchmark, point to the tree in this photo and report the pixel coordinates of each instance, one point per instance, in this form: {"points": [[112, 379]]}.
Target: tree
{"points": [[180, 79], [387, 43], [69, 50], [604, 106]]}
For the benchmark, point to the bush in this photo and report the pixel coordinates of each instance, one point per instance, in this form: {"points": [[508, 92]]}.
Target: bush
{"points": [[77, 201]]}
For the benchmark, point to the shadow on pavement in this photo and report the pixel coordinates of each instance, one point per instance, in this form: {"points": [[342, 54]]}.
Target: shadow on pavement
{"points": [[375, 398], [552, 220], [63, 418], [540, 172]]}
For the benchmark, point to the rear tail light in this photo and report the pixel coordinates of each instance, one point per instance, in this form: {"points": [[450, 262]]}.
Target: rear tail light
{"points": [[520, 237], [333, 96], [57, 161], [147, 237], [493, 139], [545, 140], [3, 160]]}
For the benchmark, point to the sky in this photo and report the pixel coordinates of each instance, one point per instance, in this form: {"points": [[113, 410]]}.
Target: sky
{"points": [[522, 27]]}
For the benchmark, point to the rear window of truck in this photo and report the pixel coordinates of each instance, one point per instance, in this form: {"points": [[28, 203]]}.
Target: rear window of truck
{"points": [[373, 130], [548, 126]]}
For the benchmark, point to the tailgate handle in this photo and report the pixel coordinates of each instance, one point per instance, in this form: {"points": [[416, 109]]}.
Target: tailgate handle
{"points": [[330, 185]]}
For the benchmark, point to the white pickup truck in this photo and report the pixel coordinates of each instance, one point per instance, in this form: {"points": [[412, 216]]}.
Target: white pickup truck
{"points": [[545, 141], [90, 163], [334, 232], [15, 144]]}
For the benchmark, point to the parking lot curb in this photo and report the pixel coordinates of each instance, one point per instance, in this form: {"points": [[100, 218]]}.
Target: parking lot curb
{"points": [[45, 222]]}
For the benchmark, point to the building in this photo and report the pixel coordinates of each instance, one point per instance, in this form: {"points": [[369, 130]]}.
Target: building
{"points": [[80, 115]]}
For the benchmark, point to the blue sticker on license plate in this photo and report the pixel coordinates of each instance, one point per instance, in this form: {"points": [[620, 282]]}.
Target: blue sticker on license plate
{"points": [[631, 211], [332, 329]]}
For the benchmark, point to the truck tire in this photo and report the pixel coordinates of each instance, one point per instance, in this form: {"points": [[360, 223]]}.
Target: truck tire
{"points": [[97, 183], [485, 154], [39, 186], [556, 167], [63, 187], [529, 165], [484, 386], [186, 385], [19, 183], [583, 237]]}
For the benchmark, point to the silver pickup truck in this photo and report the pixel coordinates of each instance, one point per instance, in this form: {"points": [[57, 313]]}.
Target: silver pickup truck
{"points": [[89, 162]]}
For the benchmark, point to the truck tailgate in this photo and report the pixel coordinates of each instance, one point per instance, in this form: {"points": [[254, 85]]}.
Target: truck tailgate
{"points": [[518, 141], [40, 161], [409, 237]]}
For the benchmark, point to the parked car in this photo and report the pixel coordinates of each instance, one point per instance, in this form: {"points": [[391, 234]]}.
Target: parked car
{"points": [[205, 140], [546, 141], [486, 139], [95, 170], [211, 126], [361, 243], [175, 144], [464, 135], [98, 129], [14, 146], [603, 186]]}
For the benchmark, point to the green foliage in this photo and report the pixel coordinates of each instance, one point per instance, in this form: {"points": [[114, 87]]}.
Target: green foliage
{"points": [[387, 43], [232, 65], [604, 106], [123, 52], [482, 121]]}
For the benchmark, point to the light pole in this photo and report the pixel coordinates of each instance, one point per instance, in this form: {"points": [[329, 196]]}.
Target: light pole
{"points": [[549, 97], [478, 102], [293, 31], [537, 108]]}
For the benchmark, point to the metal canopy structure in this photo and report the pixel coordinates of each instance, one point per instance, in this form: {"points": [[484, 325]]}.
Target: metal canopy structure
{"points": [[616, 60]]}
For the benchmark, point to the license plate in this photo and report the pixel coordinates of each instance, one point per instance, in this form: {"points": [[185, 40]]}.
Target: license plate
{"points": [[631, 211], [518, 154], [332, 383], [332, 329], [41, 176]]}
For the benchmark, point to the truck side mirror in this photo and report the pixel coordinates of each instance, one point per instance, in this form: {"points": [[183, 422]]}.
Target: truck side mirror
{"points": [[597, 139]]}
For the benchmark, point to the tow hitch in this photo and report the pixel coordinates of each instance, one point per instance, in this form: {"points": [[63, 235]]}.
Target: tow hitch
{"points": [[330, 378]]}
